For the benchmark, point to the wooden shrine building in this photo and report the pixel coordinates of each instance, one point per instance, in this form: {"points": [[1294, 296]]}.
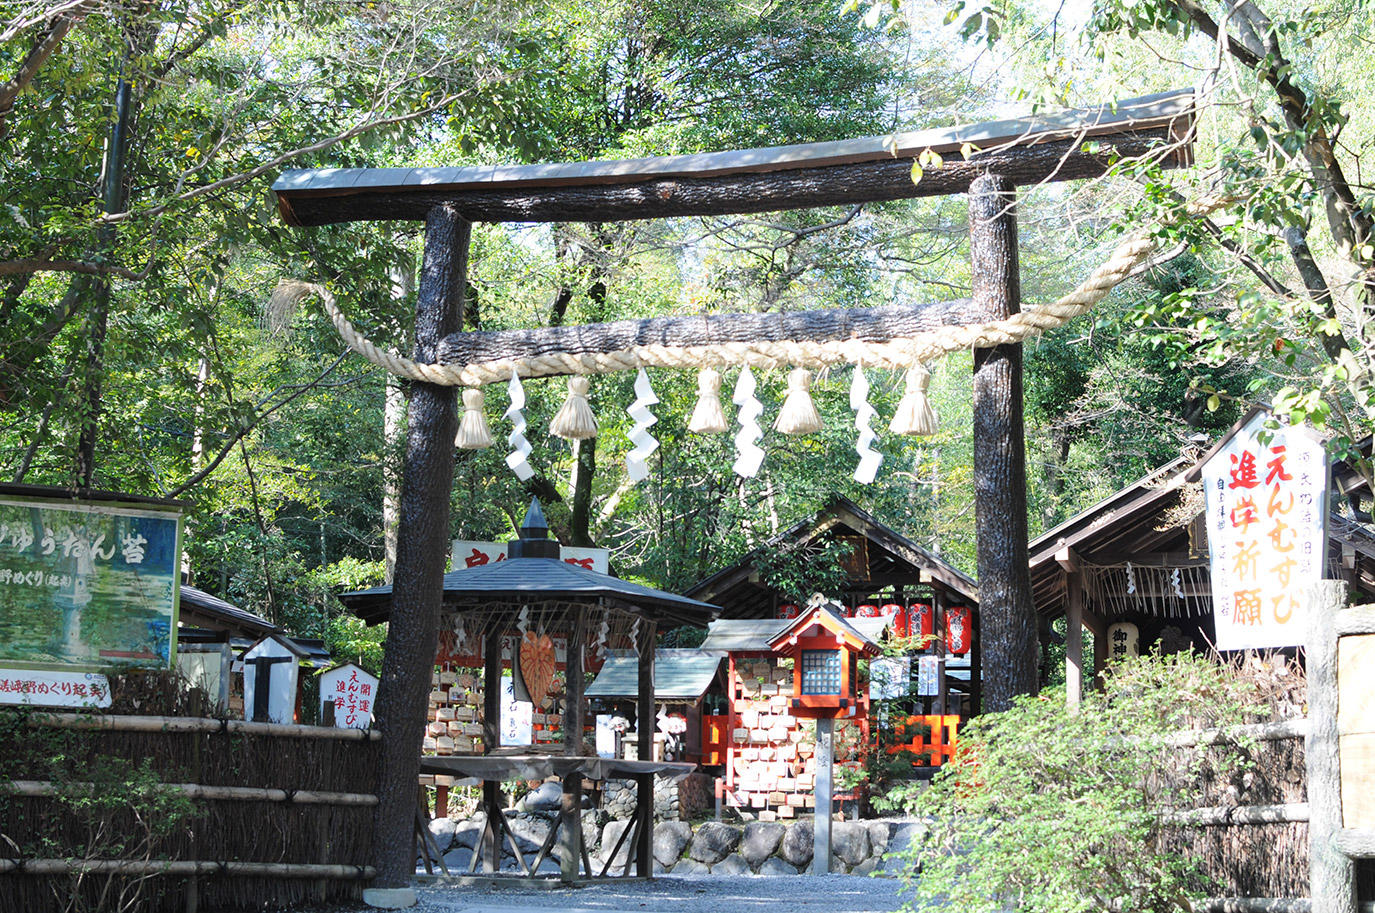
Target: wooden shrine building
{"points": [[887, 575], [1141, 558]]}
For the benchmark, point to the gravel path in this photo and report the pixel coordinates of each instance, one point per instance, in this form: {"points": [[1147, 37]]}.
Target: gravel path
{"points": [[678, 894]]}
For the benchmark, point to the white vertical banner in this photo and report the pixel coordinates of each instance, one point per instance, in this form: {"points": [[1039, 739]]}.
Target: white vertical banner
{"points": [[1267, 533], [517, 717], [889, 677], [929, 672]]}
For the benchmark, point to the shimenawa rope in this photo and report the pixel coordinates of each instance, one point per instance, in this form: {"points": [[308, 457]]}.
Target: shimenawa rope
{"points": [[894, 354]]}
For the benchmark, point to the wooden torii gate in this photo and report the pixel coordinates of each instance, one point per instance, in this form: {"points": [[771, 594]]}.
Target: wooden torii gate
{"points": [[1005, 154]]}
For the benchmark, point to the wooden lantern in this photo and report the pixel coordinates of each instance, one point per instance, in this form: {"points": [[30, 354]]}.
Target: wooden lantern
{"points": [[825, 650]]}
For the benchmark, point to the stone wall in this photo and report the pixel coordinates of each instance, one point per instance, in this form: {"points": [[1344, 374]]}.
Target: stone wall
{"points": [[713, 847], [680, 800]]}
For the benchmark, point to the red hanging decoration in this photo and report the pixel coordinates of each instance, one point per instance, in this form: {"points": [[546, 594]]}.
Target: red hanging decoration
{"points": [[896, 613], [788, 610], [867, 611], [922, 620], [958, 629]]}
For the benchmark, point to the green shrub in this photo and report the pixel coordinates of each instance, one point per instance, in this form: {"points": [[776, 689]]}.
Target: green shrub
{"points": [[1046, 809]]}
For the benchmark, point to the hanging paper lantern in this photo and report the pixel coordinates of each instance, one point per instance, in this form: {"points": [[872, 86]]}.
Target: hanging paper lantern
{"points": [[891, 611], [902, 622], [788, 610], [1124, 640], [958, 629], [867, 611], [922, 620]]}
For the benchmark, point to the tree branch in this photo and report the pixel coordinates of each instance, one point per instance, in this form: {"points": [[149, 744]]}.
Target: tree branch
{"points": [[245, 429], [1259, 50], [43, 48], [84, 267]]}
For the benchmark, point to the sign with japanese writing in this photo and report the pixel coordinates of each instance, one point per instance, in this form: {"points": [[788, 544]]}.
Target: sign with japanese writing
{"points": [[84, 586], [475, 554], [352, 691], [54, 689], [929, 672], [517, 717], [889, 677], [1267, 533]]}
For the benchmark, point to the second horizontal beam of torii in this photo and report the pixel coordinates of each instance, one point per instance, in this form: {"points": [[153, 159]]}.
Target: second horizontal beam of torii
{"points": [[875, 325], [1068, 145]]}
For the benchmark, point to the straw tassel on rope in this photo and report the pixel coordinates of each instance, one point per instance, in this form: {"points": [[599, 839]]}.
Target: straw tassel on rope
{"points": [[575, 421], [473, 433], [799, 415], [914, 414], [707, 416]]}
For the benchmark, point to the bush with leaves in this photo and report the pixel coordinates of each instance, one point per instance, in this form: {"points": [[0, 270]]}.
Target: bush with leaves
{"points": [[1048, 809]]}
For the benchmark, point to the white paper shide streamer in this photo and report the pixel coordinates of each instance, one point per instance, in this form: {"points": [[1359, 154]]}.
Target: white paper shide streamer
{"points": [[869, 458], [637, 460], [749, 455], [519, 457]]}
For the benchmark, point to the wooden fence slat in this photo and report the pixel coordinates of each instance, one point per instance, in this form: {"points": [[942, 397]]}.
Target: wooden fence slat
{"points": [[181, 867], [44, 788], [109, 723]]}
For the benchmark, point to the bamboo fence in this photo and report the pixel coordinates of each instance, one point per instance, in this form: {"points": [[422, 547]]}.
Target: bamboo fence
{"points": [[273, 815]]}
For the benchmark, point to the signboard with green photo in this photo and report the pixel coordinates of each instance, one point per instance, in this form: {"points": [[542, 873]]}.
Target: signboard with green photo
{"points": [[87, 585]]}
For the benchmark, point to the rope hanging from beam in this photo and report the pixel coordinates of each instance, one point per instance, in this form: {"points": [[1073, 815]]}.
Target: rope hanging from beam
{"points": [[898, 353]]}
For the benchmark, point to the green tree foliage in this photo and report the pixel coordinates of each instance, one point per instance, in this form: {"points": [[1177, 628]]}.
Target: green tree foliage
{"points": [[1278, 306], [1049, 809]]}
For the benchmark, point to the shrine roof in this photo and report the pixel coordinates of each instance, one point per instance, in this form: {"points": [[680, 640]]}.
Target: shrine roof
{"points": [[893, 559], [520, 580], [681, 674]]}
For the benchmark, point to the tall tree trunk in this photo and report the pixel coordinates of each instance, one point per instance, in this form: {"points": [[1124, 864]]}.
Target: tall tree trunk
{"points": [[393, 431], [113, 198], [422, 542], [1008, 616]]}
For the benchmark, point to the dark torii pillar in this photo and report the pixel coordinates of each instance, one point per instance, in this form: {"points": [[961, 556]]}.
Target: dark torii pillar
{"points": [[418, 583], [1008, 654]]}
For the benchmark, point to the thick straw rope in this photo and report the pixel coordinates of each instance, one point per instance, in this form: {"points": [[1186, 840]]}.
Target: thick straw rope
{"points": [[894, 354]]}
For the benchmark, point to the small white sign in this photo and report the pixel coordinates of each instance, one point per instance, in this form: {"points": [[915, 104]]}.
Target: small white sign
{"points": [[352, 690], [468, 553], [929, 671], [606, 736], [1267, 533], [517, 717], [889, 677], [54, 689], [280, 679]]}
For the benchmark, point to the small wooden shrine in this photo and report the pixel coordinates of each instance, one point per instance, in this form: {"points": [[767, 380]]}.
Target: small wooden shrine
{"points": [[1134, 569], [922, 596], [528, 601]]}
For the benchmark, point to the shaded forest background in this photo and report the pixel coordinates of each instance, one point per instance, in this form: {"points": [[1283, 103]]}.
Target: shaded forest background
{"points": [[142, 349]]}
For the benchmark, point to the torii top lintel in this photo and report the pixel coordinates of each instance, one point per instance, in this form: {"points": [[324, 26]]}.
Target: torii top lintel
{"points": [[1030, 150]]}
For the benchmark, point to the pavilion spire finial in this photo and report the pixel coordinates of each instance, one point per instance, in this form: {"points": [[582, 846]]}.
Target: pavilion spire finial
{"points": [[533, 536]]}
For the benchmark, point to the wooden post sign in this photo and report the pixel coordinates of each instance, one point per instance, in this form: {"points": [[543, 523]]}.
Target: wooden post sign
{"points": [[270, 670], [348, 692], [1267, 533]]}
